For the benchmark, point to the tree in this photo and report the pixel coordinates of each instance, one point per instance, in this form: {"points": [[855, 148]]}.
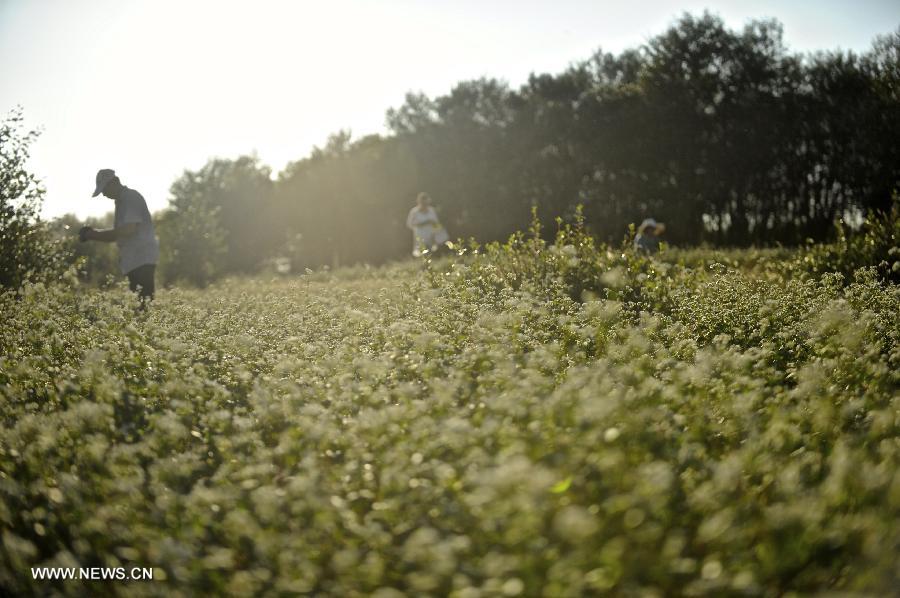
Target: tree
{"points": [[219, 221], [346, 203], [27, 251], [192, 243]]}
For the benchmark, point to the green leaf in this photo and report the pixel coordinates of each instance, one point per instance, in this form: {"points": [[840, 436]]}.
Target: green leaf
{"points": [[561, 486]]}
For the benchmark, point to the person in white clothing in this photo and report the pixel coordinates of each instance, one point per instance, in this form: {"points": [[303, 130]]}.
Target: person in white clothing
{"points": [[428, 234], [132, 232]]}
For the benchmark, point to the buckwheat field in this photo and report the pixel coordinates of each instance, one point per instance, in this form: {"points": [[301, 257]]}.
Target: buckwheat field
{"points": [[529, 419]]}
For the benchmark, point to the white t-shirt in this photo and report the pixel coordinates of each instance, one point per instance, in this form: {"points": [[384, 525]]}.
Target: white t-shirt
{"points": [[142, 247], [421, 219], [425, 226]]}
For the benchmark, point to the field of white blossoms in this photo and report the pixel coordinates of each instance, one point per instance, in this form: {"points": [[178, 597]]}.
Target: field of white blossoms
{"points": [[527, 419]]}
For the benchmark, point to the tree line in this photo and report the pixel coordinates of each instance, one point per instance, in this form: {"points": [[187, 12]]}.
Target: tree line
{"points": [[725, 135]]}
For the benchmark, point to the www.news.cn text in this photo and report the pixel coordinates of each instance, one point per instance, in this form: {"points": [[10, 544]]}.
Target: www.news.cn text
{"points": [[93, 573]]}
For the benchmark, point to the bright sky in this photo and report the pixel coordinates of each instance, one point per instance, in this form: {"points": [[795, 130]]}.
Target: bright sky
{"points": [[151, 88]]}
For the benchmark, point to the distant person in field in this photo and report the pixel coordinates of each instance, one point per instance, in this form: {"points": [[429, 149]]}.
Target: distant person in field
{"points": [[649, 235], [132, 232], [428, 234]]}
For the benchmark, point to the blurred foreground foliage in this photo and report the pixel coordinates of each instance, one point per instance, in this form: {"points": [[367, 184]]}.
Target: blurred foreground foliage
{"points": [[529, 418]]}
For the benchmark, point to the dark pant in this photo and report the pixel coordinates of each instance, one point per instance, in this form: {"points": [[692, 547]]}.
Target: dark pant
{"points": [[140, 280]]}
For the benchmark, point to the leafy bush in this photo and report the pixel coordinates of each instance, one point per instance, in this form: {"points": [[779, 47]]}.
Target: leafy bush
{"points": [[192, 243], [27, 252], [96, 263], [876, 245]]}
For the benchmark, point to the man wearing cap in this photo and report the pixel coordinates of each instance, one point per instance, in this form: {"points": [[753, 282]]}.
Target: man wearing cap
{"points": [[132, 232]]}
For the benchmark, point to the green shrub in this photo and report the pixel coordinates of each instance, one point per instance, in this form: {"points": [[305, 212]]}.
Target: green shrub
{"points": [[875, 245], [27, 250]]}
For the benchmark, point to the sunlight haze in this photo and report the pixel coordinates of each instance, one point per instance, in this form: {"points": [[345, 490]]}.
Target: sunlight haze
{"points": [[153, 88]]}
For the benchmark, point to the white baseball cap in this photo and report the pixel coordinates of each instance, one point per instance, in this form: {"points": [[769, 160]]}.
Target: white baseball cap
{"points": [[103, 178], [646, 222]]}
